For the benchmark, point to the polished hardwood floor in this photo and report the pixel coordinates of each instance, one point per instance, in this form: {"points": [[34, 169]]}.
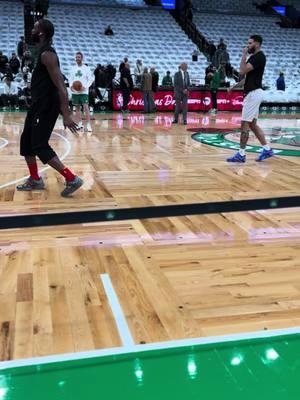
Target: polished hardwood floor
{"points": [[175, 277]]}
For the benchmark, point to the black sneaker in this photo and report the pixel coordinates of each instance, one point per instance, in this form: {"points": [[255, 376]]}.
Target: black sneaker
{"points": [[72, 186], [31, 184], [175, 121]]}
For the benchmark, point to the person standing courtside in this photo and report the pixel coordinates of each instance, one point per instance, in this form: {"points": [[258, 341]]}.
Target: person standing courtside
{"points": [[49, 99], [126, 86], [167, 80], [181, 92], [81, 72], [146, 87], [253, 67], [21, 47], [138, 72], [214, 86]]}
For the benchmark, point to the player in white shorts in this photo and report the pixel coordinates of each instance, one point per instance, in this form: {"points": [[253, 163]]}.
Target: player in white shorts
{"points": [[253, 68], [81, 72]]}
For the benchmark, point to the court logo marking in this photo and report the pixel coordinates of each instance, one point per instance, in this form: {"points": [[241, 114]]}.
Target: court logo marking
{"points": [[282, 136]]}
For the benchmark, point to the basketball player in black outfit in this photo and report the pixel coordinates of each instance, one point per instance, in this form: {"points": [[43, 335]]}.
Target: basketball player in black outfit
{"points": [[49, 99], [253, 67]]}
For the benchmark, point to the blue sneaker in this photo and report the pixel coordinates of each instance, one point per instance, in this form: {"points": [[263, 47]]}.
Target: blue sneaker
{"points": [[237, 158], [265, 154]]}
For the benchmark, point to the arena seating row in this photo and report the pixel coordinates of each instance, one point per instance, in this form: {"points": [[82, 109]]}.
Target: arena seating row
{"points": [[281, 46], [107, 3], [149, 34], [230, 6], [11, 25]]}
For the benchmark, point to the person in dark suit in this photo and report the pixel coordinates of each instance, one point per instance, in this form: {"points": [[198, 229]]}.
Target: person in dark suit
{"points": [[126, 86], [181, 92], [155, 80]]}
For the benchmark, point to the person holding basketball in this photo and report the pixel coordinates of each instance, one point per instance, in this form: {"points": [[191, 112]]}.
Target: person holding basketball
{"points": [[81, 78], [49, 99]]}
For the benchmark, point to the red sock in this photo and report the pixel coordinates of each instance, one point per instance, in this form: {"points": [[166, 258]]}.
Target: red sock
{"points": [[67, 174], [33, 169]]}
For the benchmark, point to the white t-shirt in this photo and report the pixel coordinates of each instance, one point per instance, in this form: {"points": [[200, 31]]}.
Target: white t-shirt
{"points": [[83, 74], [182, 73], [10, 90]]}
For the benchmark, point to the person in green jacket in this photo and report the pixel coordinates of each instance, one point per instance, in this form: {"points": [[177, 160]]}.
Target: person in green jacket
{"points": [[214, 86], [167, 80]]}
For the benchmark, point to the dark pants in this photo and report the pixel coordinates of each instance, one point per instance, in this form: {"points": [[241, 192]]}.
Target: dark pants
{"points": [[181, 101], [126, 97], [213, 94], [14, 70], [39, 124], [11, 99], [148, 101]]}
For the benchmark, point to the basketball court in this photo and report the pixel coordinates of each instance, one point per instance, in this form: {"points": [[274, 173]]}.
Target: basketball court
{"points": [[193, 305]]}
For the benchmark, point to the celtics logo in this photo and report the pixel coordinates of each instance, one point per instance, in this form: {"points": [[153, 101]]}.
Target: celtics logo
{"points": [[78, 74], [284, 141], [284, 136]]}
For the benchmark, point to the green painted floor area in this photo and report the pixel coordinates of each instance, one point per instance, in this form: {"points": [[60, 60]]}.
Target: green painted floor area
{"points": [[220, 140], [256, 369]]}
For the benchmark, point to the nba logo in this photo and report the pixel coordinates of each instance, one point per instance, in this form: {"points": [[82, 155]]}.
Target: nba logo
{"points": [[120, 100]]}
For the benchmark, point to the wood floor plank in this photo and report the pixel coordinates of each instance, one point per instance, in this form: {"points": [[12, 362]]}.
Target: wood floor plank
{"points": [[71, 264], [176, 277], [23, 341]]}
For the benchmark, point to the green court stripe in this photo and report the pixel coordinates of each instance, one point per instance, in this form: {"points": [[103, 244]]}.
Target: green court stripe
{"points": [[173, 344]]}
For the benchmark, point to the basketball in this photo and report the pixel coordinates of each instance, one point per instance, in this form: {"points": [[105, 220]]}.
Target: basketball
{"points": [[77, 85]]}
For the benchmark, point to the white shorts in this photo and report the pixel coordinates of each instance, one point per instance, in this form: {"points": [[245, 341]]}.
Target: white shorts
{"points": [[251, 105]]}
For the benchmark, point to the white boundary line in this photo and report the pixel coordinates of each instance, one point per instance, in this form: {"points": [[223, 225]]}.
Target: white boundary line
{"points": [[148, 347], [4, 144], [116, 309], [66, 153]]}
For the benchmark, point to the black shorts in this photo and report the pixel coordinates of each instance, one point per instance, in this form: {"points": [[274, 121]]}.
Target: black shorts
{"points": [[39, 124]]}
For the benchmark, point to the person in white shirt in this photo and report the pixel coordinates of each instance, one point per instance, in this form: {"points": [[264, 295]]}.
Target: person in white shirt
{"points": [[81, 73], [10, 95], [138, 72]]}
